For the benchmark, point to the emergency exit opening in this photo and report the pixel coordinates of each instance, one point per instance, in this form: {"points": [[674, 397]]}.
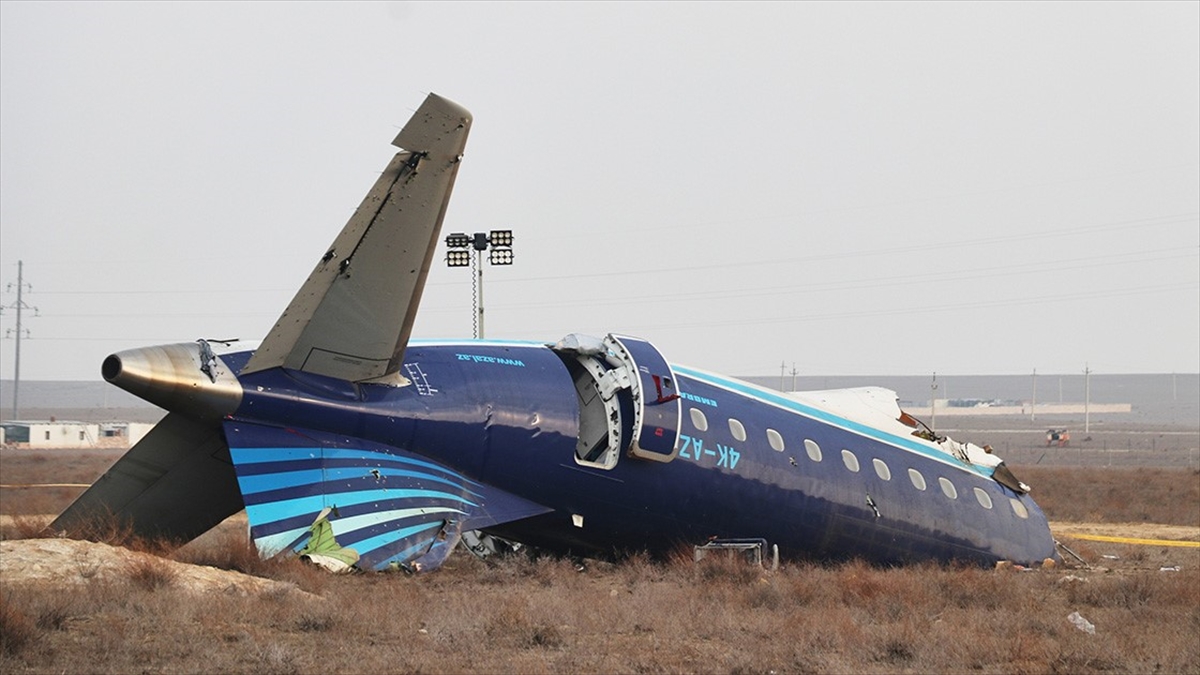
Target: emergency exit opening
{"points": [[627, 399]]}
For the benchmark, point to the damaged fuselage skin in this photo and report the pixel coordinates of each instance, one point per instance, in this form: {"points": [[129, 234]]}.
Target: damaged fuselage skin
{"points": [[340, 424]]}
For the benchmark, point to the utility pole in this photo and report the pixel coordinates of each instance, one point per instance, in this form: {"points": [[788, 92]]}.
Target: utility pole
{"points": [[782, 372], [794, 372], [1033, 404], [933, 403], [20, 308], [1087, 396]]}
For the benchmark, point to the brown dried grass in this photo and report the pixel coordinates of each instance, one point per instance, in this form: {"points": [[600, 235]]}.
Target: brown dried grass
{"points": [[548, 615], [1116, 495], [541, 615], [25, 467], [229, 548], [16, 627]]}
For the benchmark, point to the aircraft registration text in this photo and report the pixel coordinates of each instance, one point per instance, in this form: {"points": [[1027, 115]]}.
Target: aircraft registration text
{"points": [[724, 455]]}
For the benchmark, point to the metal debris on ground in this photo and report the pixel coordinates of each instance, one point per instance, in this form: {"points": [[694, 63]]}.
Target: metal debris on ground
{"points": [[1082, 623]]}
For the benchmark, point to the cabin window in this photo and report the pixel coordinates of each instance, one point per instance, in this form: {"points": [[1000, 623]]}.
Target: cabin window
{"points": [[737, 430], [698, 420], [81, 435], [813, 450], [917, 479], [47, 435], [1019, 508], [882, 469], [775, 439], [850, 460], [984, 499], [948, 487]]}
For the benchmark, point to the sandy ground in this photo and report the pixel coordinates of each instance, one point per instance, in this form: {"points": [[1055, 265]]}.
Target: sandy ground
{"points": [[68, 561], [6, 521], [64, 562], [1130, 530], [1180, 533], [1147, 557]]}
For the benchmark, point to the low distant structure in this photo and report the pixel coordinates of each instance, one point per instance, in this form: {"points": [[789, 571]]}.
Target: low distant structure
{"points": [[1059, 437], [65, 434], [979, 407], [51, 434]]}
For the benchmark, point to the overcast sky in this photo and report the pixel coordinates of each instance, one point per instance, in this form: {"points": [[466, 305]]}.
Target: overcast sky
{"points": [[852, 188]]}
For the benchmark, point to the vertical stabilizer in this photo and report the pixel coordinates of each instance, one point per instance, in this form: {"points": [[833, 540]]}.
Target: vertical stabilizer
{"points": [[352, 318]]}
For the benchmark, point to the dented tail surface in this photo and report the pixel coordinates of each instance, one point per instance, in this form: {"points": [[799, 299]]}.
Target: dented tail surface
{"points": [[353, 316], [392, 507]]}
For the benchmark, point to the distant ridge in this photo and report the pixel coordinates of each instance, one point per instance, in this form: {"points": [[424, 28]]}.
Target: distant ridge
{"points": [[67, 394], [1157, 398]]}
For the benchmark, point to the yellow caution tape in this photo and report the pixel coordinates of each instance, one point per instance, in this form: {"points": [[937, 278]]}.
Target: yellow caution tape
{"points": [[1130, 540], [45, 485]]}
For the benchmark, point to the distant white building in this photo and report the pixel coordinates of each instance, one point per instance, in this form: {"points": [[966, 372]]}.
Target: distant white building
{"points": [[123, 434], [52, 434], [56, 434]]}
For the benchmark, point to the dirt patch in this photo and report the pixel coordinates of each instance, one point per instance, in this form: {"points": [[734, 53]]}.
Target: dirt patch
{"points": [[65, 562], [1130, 530], [1145, 557], [38, 520]]}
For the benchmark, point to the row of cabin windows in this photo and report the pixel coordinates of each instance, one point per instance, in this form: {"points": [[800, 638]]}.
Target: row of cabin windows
{"points": [[775, 439]]}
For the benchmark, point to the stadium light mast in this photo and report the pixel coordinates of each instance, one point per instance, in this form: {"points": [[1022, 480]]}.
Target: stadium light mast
{"points": [[498, 244]]}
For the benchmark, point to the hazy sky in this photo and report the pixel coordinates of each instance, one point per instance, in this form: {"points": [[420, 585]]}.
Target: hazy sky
{"points": [[854, 188]]}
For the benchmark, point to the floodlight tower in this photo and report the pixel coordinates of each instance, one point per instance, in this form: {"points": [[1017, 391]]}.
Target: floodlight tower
{"points": [[498, 244]]}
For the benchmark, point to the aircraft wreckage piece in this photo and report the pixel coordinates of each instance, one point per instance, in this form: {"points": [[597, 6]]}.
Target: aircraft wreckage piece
{"points": [[351, 444]]}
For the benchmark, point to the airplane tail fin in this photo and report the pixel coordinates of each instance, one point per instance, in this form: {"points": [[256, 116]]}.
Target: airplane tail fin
{"points": [[353, 316], [350, 320]]}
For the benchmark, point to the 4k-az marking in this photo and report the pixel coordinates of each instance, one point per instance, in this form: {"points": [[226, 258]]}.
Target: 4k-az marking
{"points": [[724, 455]]}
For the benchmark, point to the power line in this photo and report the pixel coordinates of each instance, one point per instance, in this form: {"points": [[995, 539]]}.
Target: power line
{"points": [[892, 250], [917, 309], [892, 280]]}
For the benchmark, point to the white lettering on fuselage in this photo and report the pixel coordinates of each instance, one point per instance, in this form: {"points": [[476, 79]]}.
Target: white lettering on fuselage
{"points": [[698, 399], [693, 448], [479, 358]]}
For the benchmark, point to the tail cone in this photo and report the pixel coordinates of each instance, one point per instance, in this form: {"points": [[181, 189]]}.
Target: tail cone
{"points": [[185, 378]]}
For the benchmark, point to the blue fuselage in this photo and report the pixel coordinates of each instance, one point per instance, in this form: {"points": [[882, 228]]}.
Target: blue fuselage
{"points": [[752, 463]]}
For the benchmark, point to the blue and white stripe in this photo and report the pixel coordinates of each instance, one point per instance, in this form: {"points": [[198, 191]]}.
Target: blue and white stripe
{"points": [[784, 402], [387, 505]]}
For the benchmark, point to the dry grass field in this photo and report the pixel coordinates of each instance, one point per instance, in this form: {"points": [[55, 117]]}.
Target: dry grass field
{"points": [[547, 615]]}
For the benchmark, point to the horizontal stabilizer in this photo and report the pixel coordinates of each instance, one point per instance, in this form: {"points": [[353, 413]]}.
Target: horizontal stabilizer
{"points": [[352, 318], [498, 507], [391, 506], [175, 484]]}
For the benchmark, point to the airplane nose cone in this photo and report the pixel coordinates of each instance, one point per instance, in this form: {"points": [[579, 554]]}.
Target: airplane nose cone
{"points": [[185, 378]]}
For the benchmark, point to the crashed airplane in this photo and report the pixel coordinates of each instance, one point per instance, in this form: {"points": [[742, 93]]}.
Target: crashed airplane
{"points": [[351, 444]]}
